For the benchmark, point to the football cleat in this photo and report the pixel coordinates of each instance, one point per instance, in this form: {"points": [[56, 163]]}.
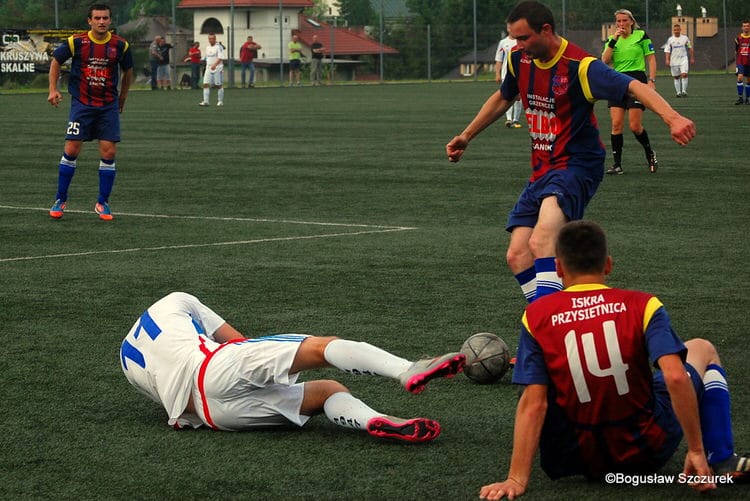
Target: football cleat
{"points": [[735, 467], [653, 163], [57, 209], [421, 372], [203, 103], [416, 430], [739, 101], [103, 211], [615, 169], [508, 124], [517, 125], [220, 103]]}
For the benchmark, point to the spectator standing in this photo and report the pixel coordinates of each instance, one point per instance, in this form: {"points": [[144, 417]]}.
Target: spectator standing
{"points": [[295, 61], [630, 51], [194, 58], [99, 61], [316, 61], [504, 48], [248, 54], [154, 57], [742, 60], [163, 77], [214, 74], [679, 55]]}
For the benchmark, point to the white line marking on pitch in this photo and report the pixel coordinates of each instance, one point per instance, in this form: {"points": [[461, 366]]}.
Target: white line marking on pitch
{"points": [[375, 229]]}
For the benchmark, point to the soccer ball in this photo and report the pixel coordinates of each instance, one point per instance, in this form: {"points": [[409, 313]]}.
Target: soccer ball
{"points": [[487, 357]]}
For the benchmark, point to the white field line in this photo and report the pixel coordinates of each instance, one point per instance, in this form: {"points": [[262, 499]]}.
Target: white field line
{"points": [[366, 229]]}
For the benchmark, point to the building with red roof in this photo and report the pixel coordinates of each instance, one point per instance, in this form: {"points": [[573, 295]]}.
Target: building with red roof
{"points": [[271, 23]]}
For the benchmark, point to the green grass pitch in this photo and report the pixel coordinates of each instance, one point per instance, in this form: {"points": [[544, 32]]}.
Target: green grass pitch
{"points": [[330, 211]]}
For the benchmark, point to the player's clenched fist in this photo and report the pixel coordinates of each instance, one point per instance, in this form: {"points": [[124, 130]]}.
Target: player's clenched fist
{"points": [[456, 147]]}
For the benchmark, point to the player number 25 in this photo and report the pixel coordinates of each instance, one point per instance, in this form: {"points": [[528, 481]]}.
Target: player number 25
{"points": [[616, 370], [73, 128]]}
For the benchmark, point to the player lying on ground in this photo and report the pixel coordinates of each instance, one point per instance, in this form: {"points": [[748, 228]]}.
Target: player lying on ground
{"points": [[591, 403], [184, 356]]}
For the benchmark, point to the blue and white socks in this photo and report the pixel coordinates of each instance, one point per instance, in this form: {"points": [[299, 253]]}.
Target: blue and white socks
{"points": [[106, 179], [715, 413], [66, 171], [540, 280]]}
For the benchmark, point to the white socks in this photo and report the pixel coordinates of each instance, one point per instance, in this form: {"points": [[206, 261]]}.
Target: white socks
{"points": [[363, 358], [345, 410]]}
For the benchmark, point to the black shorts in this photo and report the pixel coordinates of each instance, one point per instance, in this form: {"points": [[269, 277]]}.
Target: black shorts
{"points": [[294, 64], [629, 102]]}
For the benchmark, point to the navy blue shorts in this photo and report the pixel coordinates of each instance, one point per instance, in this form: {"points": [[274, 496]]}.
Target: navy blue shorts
{"points": [[86, 123], [573, 188], [559, 452], [743, 69]]}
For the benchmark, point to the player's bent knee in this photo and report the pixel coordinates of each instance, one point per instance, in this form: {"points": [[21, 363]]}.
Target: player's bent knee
{"points": [[316, 394], [702, 353]]}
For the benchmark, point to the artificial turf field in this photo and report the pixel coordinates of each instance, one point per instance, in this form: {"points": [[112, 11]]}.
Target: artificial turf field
{"points": [[330, 211]]}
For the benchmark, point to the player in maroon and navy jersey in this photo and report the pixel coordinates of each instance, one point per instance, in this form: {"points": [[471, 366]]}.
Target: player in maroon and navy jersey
{"points": [[592, 404], [99, 61], [558, 84], [742, 60]]}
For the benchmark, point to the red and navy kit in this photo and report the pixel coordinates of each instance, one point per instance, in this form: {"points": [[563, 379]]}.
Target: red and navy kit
{"points": [[594, 347], [742, 48], [94, 71], [558, 97]]}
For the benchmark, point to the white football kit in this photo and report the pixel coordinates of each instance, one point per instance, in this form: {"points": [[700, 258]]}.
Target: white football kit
{"points": [[503, 53], [677, 48], [170, 354], [213, 53]]}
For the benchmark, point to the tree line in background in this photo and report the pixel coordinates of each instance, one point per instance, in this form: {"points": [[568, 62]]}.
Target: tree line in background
{"points": [[405, 23]]}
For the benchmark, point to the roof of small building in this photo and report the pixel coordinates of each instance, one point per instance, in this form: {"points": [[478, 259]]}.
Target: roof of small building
{"points": [[207, 4], [345, 41], [155, 25]]}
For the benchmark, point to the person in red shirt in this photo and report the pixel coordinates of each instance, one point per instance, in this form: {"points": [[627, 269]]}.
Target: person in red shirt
{"points": [[248, 53], [194, 58]]}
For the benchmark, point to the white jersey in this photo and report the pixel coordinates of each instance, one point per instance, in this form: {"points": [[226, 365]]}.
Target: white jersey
{"points": [[213, 53], [166, 346], [170, 354], [503, 54], [678, 48]]}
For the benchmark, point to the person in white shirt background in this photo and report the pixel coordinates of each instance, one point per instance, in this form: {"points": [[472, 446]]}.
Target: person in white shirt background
{"points": [[678, 51]]}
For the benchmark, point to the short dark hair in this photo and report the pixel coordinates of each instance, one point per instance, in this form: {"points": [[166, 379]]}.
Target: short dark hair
{"points": [[582, 247], [535, 13], [99, 6]]}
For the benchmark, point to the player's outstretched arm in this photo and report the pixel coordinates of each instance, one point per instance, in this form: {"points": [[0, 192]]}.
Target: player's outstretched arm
{"points": [[681, 128], [532, 408], [54, 98], [495, 106], [685, 405]]}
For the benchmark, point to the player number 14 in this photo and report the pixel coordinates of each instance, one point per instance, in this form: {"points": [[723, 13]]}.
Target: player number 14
{"points": [[616, 370]]}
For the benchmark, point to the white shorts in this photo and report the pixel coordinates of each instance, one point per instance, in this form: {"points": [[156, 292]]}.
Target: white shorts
{"points": [[247, 384], [679, 69], [213, 78]]}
